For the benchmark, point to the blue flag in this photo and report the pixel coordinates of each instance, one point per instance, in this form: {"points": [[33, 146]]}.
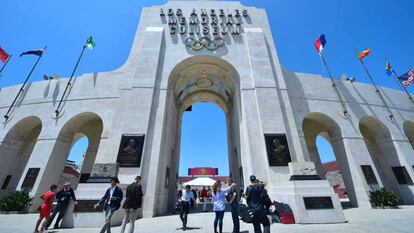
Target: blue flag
{"points": [[37, 52]]}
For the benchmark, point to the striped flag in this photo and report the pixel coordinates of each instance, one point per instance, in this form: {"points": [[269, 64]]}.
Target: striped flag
{"points": [[320, 43], [407, 78], [364, 53]]}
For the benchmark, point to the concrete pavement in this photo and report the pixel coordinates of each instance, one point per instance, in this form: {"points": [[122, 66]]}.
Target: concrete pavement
{"points": [[359, 221]]}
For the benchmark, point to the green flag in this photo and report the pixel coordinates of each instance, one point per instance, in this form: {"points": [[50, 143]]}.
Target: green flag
{"points": [[90, 44]]}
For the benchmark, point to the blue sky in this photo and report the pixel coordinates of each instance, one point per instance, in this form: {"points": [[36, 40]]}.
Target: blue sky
{"points": [[384, 26]]}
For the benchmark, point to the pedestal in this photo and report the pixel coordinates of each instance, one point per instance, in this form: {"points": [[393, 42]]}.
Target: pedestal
{"points": [[312, 200]]}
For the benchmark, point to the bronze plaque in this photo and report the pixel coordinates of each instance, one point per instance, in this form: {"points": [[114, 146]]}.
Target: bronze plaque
{"points": [[277, 149], [87, 206], [316, 203], [30, 178], [369, 174], [130, 150]]}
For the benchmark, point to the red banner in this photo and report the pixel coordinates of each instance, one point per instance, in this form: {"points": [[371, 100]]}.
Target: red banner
{"points": [[203, 171], [3, 55]]}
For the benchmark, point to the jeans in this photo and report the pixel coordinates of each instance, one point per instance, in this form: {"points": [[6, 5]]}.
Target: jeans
{"points": [[261, 218], [219, 220], [235, 216], [130, 216], [108, 216], [59, 208], [185, 209]]}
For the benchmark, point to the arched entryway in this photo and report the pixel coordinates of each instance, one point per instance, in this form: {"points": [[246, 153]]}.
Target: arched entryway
{"points": [[379, 143], [316, 125], [86, 124], [193, 80], [15, 151]]}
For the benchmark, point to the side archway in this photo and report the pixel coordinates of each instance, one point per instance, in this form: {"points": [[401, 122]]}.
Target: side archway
{"points": [[86, 124], [378, 141], [319, 124], [409, 131], [15, 151]]}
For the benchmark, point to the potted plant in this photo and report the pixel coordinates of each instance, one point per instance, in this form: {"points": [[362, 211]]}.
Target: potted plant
{"points": [[16, 202]]}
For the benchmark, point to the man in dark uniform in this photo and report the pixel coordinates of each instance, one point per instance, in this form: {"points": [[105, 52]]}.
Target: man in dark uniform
{"points": [[233, 199], [133, 201], [63, 197], [254, 197]]}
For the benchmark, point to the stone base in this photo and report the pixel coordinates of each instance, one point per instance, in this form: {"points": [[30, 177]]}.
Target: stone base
{"points": [[91, 219], [293, 193]]}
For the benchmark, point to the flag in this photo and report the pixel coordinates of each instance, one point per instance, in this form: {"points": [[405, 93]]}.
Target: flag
{"points": [[90, 44], [320, 43], [407, 78], [37, 52], [364, 53], [388, 69], [3, 55]]}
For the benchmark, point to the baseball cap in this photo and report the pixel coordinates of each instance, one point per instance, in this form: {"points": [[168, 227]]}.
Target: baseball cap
{"points": [[252, 178]]}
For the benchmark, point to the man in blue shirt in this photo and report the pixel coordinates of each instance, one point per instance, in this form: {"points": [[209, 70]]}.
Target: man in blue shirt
{"points": [[111, 202], [254, 197]]}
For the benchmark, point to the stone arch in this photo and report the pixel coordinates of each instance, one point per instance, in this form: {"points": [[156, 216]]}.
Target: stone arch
{"points": [[84, 124], [15, 151], [202, 78], [409, 131], [319, 124], [378, 141]]}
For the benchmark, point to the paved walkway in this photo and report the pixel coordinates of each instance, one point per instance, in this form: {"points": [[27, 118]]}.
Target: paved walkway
{"points": [[359, 221]]}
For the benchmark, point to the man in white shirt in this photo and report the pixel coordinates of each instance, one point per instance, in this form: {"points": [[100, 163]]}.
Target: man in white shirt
{"points": [[185, 205]]}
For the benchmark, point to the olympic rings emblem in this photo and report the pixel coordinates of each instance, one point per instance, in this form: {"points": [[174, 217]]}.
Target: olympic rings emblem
{"points": [[204, 42]]}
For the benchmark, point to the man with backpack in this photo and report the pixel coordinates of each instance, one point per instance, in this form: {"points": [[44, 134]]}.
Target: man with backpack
{"points": [[256, 197]]}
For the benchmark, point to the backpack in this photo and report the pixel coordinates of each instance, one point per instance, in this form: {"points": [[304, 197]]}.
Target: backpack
{"points": [[246, 214]]}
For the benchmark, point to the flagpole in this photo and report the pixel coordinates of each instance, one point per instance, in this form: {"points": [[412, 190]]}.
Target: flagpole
{"points": [[398, 80], [7, 61], [6, 117], [377, 90], [69, 82], [345, 111]]}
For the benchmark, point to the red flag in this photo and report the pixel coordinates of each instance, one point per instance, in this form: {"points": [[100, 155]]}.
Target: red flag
{"points": [[3, 55]]}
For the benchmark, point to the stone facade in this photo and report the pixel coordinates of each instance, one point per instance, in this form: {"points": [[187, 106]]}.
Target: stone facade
{"points": [[165, 73]]}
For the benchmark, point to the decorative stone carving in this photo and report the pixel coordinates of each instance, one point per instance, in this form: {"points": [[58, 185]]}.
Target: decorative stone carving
{"points": [[204, 83], [103, 172], [302, 169]]}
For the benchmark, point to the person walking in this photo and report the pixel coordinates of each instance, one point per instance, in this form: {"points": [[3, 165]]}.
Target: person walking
{"points": [[234, 199], [133, 201], [45, 208], [187, 196], [111, 202], [63, 197], [254, 196], [204, 197]]}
